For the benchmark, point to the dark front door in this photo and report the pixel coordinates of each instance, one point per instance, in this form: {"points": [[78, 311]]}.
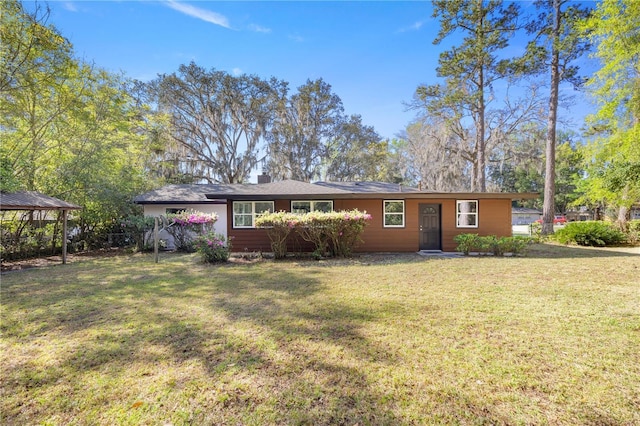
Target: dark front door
{"points": [[430, 227]]}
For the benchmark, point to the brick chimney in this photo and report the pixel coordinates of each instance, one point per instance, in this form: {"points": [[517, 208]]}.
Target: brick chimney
{"points": [[264, 178]]}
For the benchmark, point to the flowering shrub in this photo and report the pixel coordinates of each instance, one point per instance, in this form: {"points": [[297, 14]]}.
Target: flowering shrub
{"points": [[279, 226], [331, 233], [212, 247], [188, 224], [344, 230]]}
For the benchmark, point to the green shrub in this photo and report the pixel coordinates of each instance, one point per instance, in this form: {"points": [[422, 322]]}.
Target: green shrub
{"points": [[331, 233], [212, 247], [467, 242], [491, 244], [590, 233], [137, 229], [279, 226], [515, 245], [633, 232]]}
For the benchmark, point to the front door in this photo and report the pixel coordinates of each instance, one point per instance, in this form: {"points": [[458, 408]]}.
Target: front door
{"points": [[430, 227]]}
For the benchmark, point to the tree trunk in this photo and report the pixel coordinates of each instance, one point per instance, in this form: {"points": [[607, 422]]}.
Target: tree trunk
{"points": [[548, 209], [623, 211], [480, 125]]}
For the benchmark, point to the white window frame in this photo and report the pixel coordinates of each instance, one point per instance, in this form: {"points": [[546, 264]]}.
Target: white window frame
{"points": [[460, 214], [385, 213], [253, 213], [311, 204]]}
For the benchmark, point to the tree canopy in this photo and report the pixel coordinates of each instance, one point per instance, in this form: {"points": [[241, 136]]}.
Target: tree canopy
{"points": [[614, 154]]}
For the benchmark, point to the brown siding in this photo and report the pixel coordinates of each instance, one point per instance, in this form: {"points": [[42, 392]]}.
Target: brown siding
{"points": [[247, 239], [494, 218]]}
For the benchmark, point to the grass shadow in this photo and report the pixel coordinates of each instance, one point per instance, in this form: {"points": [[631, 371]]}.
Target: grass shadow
{"points": [[122, 323]]}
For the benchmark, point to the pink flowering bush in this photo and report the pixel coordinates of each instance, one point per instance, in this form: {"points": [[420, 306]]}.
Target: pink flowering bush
{"points": [[212, 247], [332, 233], [279, 226], [187, 225]]}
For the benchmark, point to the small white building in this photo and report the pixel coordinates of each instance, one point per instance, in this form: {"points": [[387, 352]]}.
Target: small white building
{"points": [[176, 198], [524, 216]]}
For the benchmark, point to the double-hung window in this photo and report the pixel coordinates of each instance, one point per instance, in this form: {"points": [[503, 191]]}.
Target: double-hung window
{"points": [[245, 212], [393, 213], [311, 206], [467, 213]]}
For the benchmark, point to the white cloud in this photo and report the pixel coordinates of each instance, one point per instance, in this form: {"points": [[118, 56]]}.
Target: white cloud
{"points": [[413, 27], [259, 29], [236, 71], [296, 37], [196, 12], [67, 5]]}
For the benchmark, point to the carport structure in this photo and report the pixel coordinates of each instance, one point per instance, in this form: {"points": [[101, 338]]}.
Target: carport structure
{"points": [[32, 201]]}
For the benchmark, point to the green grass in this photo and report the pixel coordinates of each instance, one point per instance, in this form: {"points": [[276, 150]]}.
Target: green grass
{"points": [[553, 338]]}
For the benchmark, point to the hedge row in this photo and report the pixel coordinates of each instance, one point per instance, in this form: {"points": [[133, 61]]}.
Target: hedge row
{"points": [[468, 243], [332, 234]]}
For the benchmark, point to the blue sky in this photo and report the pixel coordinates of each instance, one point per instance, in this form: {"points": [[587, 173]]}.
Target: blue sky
{"points": [[373, 54]]}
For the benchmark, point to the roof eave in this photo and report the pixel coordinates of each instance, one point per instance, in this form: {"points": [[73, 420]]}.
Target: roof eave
{"points": [[217, 200], [385, 195]]}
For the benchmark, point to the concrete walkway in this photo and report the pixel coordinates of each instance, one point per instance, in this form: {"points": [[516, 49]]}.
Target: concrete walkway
{"points": [[441, 254]]}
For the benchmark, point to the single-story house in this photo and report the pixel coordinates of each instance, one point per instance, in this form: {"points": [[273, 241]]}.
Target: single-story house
{"points": [[524, 216], [404, 219]]}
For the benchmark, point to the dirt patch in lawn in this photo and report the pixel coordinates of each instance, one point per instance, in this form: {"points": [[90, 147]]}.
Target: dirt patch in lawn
{"points": [[18, 265], [236, 258]]}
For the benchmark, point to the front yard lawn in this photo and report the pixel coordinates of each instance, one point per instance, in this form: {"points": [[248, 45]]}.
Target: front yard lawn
{"points": [[553, 338]]}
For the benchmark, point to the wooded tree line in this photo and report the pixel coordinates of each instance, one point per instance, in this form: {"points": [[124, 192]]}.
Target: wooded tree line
{"points": [[73, 130]]}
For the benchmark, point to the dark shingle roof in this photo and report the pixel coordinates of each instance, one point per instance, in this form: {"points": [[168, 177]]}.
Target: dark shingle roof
{"points": [[182, 194], [31, 200], [292, 189], [525, 210], [368, 187]]}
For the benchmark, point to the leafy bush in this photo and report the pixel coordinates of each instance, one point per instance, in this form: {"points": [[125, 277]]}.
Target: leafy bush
{"points": [[187, 225], [515, 245], [467, 242], [279, 226], [491, 244], [633, 232], [136, 229], [331, 233], [590, 233], [212, 247], [21, 238]]}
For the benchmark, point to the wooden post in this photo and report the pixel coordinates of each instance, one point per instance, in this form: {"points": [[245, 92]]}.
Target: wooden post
{"points": [[64, 237], [156, 244]]}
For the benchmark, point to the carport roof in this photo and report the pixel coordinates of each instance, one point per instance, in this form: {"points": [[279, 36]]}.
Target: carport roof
{"points": [[31, 200]]}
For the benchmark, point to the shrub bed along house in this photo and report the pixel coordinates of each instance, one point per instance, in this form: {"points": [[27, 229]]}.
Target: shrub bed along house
{"points": [[474, 243], [331, 233]]}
